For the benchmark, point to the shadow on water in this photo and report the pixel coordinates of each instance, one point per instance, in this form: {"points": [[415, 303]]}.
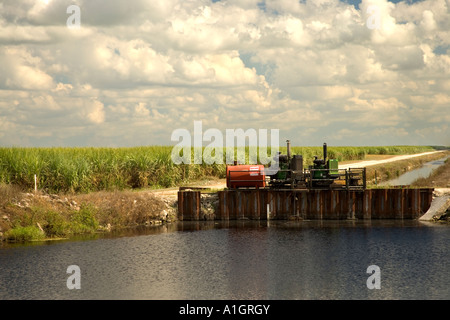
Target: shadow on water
{"points": [[191, 226], [242, 225]]}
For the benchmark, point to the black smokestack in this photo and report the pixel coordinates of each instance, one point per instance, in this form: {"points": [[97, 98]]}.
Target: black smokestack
{"points": [[325, 152], [288, 149]]}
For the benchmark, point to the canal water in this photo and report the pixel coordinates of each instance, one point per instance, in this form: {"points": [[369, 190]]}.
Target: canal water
{"points": [[411, 176], [283, 260]]}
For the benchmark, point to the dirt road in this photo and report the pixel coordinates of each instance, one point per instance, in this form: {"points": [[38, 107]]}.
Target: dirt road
{"points": [[377, 162]]}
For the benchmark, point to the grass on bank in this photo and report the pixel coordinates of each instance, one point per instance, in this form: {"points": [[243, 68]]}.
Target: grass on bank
{"points": [[38, 216], [40, 223], [439, 178], [23, 234], [81, 170]]}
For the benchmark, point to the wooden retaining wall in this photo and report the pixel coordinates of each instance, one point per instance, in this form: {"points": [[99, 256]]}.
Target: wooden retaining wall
{"points": [[311, 205]]}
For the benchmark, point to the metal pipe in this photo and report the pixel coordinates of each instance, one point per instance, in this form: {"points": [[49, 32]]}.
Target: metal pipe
{"points": [[325, 152], [288, 149]]}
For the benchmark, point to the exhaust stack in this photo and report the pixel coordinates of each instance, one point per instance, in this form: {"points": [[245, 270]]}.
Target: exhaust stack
{"points": [[288, 149]]}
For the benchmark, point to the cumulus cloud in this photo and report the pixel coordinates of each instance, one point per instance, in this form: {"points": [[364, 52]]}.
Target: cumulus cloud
{"points": [[22, 70], [375, 72]]}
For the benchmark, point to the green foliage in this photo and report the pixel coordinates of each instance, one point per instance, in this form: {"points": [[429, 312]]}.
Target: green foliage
{"points": [[84, 220], [55, 224], [94, 169], [28, 233]]}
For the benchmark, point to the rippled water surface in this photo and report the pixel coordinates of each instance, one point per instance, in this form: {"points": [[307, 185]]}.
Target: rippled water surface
{"points": [[238, 260]]}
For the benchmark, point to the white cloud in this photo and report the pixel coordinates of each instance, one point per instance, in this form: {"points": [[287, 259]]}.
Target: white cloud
{"points": [[313, 69], [21, 69], [141, 110], [95, 112], [428, 22]]}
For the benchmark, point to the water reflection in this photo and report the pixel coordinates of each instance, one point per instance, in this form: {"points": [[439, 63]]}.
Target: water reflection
{"points": [[238, 260]]}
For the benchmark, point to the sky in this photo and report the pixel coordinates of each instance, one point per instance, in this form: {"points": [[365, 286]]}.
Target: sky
{"points": [[128, 73]]}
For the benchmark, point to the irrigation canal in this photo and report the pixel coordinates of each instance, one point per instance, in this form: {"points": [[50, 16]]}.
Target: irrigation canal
{"points": [[270, 259], [411, 176]]}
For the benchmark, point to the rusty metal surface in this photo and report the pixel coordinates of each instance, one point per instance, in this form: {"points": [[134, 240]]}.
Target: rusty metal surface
{"points": [[188, 205], [261, 204]]}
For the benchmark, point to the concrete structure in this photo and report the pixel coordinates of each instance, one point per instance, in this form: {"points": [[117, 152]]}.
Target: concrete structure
{"points": [[438, 208]]}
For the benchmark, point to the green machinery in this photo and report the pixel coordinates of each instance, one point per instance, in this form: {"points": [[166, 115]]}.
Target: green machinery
{"points": [[323, 174]]}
